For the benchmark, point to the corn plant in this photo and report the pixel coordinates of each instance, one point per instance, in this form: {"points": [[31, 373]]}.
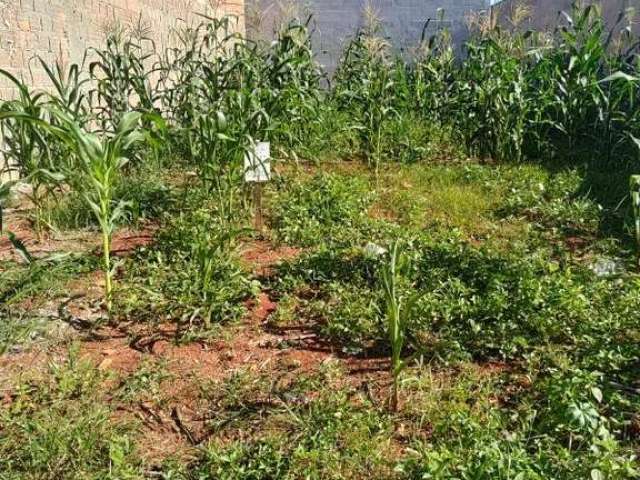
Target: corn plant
{"points": [[68, 91], [101, 160], [5, 185], [433, 74], [293, 99], [490, 108], [5, 192], [397, 312], [123, 76], [27, 146], [365, 85]]}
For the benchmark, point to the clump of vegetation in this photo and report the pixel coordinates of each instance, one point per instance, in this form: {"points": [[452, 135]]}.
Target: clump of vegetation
{"points": [[305, 212], [634, 187], [59, 428]]}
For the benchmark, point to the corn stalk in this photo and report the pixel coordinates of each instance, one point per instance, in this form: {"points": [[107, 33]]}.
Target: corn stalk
{"points": [[101, 160], [397, 311]]}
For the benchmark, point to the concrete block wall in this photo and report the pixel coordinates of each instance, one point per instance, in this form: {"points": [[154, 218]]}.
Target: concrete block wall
{"points": [[63, 29], [545, 14], [336, 20]]}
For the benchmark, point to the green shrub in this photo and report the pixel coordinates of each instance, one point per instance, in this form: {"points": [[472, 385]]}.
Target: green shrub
{"points": [[194, 275]]}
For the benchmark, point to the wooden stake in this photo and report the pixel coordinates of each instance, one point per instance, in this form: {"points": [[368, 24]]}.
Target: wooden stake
{"points": [[258, 222]]}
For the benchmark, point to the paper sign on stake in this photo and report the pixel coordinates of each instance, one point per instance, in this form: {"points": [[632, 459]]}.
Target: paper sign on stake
{"points": [[257, 163]]}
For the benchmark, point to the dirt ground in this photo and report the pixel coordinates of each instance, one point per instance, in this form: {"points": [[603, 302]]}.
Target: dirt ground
{"points": [[174, 420]]}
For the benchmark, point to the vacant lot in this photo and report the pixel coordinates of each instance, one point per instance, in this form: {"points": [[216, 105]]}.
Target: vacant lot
{"points": [[445, 284]]}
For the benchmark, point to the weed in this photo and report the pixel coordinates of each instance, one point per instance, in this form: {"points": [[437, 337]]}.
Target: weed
{"points": [[42, 279], [306, 212], [194, 277], [634, 186], [56, 428]]}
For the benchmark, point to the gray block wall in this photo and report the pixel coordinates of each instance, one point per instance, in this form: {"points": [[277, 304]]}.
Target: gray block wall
{"points": [[336, 20], [546, 13]]}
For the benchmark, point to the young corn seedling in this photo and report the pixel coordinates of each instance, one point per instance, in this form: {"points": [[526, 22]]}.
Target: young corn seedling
{"points": [[397, 311], [101, 160]]}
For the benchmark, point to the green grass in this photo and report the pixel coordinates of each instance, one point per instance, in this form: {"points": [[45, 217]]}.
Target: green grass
{"points": [[43, 279], [305, 430], [58, 427], [441, 196]]}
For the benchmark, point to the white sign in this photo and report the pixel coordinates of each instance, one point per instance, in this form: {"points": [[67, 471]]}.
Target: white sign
{"points": [[257, 163]]}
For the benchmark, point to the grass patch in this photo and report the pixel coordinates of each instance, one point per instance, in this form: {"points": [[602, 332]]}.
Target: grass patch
{"points": [[58, 427], [42, 279]]}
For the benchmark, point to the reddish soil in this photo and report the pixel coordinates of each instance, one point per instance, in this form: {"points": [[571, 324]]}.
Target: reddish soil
{"points": [[173, 425], [111, 354], [49, 242], [124, 241], [174, 420], [261, 256]]}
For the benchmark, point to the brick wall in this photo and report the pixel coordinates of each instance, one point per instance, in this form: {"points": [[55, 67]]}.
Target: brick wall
{"points": [[336, 20], [65, 28]]}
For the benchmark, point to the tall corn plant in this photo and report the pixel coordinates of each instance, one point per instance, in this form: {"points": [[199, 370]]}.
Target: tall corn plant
{"points": [[101, 159], [125, 78], [228, 90], [180, 70], [365, 86], [194, 77], [27, 146], [5, 193], [433, 76], [293, 98], [69, 92], [397, 313], [5, 184], [570, 103], [491, 109]]}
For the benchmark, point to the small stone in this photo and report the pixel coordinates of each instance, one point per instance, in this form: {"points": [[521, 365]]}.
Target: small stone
{"points": [[607, 267], [227, 355], [374, 250]]}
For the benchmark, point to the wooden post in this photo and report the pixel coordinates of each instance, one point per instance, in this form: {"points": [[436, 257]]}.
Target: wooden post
{"points": [[258, 221]]}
